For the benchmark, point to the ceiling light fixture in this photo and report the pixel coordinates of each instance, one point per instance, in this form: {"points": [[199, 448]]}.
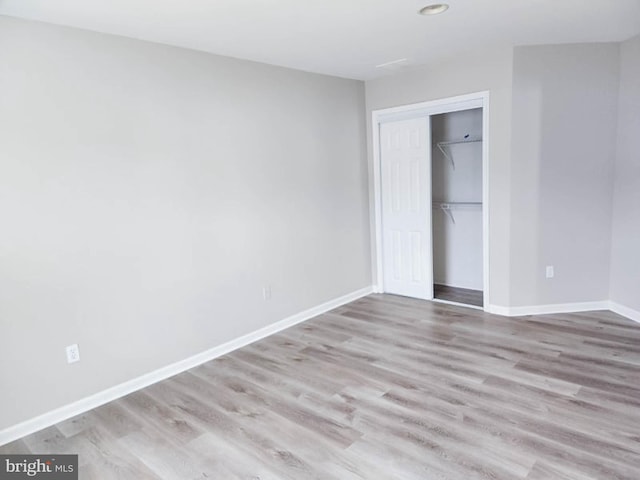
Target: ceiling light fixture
{"points": [[434, 9]]}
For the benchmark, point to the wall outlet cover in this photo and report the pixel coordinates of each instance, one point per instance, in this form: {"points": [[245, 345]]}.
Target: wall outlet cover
{"points": [[73, 353], [266, 292]]}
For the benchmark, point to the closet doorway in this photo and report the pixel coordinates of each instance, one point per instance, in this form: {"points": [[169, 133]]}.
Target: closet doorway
{"points": [[431, 200], [456, 166]]}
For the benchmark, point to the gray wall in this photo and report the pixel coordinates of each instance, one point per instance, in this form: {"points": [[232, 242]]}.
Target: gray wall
{"points": [[553, 120], [625, 251], [147, 193], [483, 71], [564, 142]]}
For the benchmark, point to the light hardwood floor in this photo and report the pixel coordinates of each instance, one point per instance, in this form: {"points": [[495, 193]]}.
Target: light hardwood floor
{"points": [[383, 388]]}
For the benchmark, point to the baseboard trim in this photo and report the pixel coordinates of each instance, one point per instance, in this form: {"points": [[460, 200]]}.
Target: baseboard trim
{"points": [[548, 309], [497, 310], [620, 309], [93, 401]]}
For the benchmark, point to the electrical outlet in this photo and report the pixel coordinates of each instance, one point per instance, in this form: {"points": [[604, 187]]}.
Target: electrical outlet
{"points": [[266, 292], [73, 353], [550, 271]]}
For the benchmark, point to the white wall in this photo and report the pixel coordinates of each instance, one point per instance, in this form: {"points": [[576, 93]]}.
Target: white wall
{"points": [[457, 243], [563, 149], [625, 248], [147, 193], [482, 71]]}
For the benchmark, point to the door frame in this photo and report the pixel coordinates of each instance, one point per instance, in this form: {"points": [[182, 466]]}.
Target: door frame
{"points": [[422, 109]]}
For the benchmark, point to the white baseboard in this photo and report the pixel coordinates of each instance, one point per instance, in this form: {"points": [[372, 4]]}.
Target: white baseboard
{"points": [[497, 310], [630, 313], [93, 401], [548, 309]]}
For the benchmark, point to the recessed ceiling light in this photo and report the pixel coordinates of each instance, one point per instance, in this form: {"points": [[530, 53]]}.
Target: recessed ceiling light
{"points": [[434, 9]]}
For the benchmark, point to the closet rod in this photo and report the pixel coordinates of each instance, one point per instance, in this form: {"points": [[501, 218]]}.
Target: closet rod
{"points": [[455, 142], [457, 205]]}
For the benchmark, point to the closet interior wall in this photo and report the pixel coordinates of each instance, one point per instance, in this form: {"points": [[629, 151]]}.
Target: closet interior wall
{"points": [[457, 199]]}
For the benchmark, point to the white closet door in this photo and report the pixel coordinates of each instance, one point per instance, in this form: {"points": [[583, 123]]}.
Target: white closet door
{"points": [[406, 207]]}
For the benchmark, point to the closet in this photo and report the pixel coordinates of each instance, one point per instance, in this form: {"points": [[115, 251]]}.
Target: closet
{"points": [[431, 219], [457, 221]]}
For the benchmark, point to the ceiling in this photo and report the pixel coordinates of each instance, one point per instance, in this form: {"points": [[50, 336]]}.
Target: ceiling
{"points": [[346, 38]]}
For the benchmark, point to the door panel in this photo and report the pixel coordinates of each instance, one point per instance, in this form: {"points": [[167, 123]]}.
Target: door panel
{"points": [[406, 207]]}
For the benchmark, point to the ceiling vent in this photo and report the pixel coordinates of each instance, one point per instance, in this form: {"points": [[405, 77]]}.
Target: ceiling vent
{"points": [[394, 65]]}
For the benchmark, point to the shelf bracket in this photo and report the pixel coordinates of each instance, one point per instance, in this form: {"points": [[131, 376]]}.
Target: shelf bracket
{"points": [[447, 156], [447, 210]]}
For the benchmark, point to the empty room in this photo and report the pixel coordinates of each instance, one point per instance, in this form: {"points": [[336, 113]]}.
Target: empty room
{"points": [[336, 241]]}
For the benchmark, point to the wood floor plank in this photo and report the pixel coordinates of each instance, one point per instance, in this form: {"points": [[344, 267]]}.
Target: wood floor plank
{"points": [[458, 295], [384, 387]]}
